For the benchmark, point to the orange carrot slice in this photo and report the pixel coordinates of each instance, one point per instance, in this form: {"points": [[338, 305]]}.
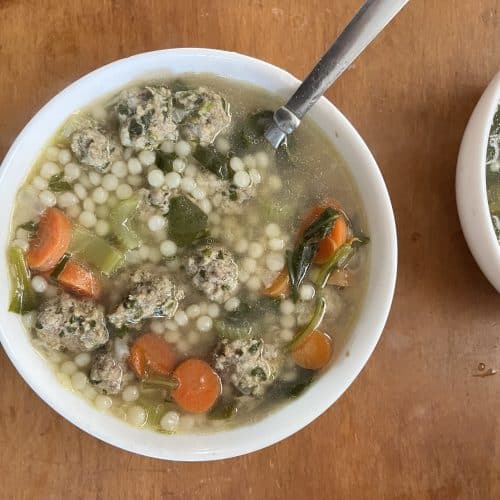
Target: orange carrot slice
{"points": [[79, 279], [315, 352], [51, 240], [151, 354], [280, 286], [199, 386]]}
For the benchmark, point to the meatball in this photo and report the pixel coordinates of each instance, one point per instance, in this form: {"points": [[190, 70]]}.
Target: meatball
{"points": [[202, 114], [214, 272], [151, 295], [249, 364], [157, 198], [145, 116], [65, 322], [106, 373], [93, 147]]}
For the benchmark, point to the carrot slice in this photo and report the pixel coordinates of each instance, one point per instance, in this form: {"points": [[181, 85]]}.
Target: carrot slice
{"points": [[78, 279], [51, 240], [338, 235], [151, 354], [315, 352], [199, 386], [336, 238], [280, 286]]}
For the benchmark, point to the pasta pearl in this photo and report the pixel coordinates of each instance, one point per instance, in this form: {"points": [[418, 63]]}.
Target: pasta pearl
{"points": [[64, 156], [236, 164], [275, 262], [170, 421], [48, 198], [130, 393], [204, 323], [80, 191], [147, 158], [136, 416], [193, 311], [182, 149], [110, 182], [49, 169], [306, 292], [156, 178], [179, 165], [40, 183], [68, 367], [232, 304], [172, 180], [156, 222], [123, 192], [168, 248], [95, 178], [71, 172], [167, 146], [181, 318], [134, 166], [119, 168], [39, 284], [241, 179], [213, 310], [188, 184], [287, 307], [87, 219], [255, 250], [100, 195], [82, 360], [272, 230], [102, 228], [79, 381]]}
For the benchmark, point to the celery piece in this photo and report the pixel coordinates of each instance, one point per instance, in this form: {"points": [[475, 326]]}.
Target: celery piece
{"points": [[94, 250], [314, 322], [122, 223], [23, 298]]}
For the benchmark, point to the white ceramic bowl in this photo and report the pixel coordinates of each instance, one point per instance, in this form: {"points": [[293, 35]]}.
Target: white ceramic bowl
{"points": [[292, 416], [472, 200]]}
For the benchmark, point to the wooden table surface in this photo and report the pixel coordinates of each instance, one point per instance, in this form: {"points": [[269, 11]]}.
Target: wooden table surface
{"points": [[416, 423]]}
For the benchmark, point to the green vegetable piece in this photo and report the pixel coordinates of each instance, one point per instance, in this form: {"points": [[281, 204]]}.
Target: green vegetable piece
{"points": [[60, 266], [179, 85], [339, 259], [166, 382], [94, 250], [314, 322], [30, 226], [23, 298], [165, 161], [254, 127], [122, 219], [212, 160], [291, 390], [223, 410], [187, 222], [57, 184], [233, 329], [300, 260]]}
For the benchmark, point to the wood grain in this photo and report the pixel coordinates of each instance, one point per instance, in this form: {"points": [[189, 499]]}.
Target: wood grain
{"points": [[416, 423]]}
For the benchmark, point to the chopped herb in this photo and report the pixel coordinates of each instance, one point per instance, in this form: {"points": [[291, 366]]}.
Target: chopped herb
{"points": [[259, 373], [223, 410], [134, 129], [290, 390], [58, 184], [59, 266], [30, 226]]}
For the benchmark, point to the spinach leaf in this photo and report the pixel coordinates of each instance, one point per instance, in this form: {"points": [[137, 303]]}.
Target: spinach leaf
{"points": [[186, 221], [300, 259], [30, 226], [254, 127], [212, 160], [290, 390], [165, 161], [57, 184], [223, 410]]}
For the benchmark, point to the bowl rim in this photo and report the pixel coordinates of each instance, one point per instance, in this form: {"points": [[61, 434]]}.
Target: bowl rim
{"points": [[270, 429], [470, 185]]}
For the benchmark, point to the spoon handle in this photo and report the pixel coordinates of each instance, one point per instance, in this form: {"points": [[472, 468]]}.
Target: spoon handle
{"points": [[369, 21]]}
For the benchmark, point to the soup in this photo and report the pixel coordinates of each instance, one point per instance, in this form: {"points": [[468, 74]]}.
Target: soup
{"points": [[177, 272], [493, 173]]}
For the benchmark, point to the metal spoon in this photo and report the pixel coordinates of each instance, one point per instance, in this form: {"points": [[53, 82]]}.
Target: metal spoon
{"points": [[370, 20]]}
